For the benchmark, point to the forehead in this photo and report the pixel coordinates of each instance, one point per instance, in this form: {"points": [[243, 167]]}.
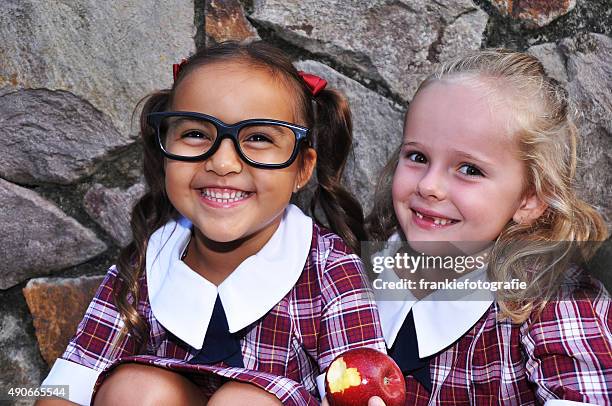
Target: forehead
{"points": [[448, 113], [234, 91]]}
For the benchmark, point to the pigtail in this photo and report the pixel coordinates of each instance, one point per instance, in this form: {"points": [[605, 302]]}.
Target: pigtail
{"points": [[151, 212], [333, 134]]}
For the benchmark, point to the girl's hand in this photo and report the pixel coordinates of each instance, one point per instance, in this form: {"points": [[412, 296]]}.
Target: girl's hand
{"points": [[374, 401]]}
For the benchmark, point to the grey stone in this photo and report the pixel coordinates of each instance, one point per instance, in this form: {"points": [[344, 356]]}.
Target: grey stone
{"points": [[110, 53], [396, 43], [52, 136], [22, 365], [111, 209], [38, 238], [552, 59], [584, 65], [377, 130]]}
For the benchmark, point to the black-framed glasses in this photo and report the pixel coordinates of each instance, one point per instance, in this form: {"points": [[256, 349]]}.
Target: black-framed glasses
{"points": [[262, 143]]}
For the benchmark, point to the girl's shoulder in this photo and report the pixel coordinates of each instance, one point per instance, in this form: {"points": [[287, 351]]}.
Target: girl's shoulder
{"points": [[334, 266], [113, 281], [581, 300], [579, 285], [567, 343], [329, 245]]}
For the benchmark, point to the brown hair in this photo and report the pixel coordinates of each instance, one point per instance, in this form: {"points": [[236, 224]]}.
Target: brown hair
{"points": [[547, 138], [329, 119]]}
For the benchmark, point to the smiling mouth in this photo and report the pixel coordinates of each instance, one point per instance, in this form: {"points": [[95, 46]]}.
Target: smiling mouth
{"points": [[225, 196], [439, 221]]}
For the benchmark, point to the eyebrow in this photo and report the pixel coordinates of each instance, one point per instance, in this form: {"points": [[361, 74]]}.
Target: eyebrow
{"points": [[471, 157], [187, 121], [464, 154], [275, 128]]}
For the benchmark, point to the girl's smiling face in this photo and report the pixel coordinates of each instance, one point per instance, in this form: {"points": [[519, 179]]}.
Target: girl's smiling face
{"points": [[459, 176], [232, 92]]}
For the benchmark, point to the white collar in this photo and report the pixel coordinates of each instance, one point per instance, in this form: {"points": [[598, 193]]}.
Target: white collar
{"points": [[182, 300], [439, 323]]}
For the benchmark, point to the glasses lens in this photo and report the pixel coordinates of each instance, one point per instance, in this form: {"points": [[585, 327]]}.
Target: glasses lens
{"points": [[267, 143], [187, 136]]}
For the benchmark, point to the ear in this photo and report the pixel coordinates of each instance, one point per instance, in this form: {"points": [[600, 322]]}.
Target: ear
{"points": [[530, 209], [309, 162]]}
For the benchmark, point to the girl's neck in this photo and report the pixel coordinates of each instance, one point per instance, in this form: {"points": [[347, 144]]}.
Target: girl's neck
{"points": [[215, 261]]}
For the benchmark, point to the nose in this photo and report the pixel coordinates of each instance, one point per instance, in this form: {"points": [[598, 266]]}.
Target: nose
{"points": [[432, 184], [225, 160]]}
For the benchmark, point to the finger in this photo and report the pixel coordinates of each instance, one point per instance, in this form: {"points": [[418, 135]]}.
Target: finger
{"points": [[376, 401]]}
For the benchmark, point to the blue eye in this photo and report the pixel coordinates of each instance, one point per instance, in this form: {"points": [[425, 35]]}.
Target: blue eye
{"points": [[470, 170], [416, 157]]}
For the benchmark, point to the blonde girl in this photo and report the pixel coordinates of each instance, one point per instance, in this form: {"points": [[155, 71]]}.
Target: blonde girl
{"points": [[488, 156]]}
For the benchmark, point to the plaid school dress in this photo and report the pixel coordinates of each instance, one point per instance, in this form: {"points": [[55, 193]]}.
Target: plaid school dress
{"points": [[474, 358], [327, 310]]}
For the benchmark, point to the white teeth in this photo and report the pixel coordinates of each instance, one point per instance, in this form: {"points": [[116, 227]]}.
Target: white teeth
{"points": [[441, 222], [436, 220], [225, 197]]}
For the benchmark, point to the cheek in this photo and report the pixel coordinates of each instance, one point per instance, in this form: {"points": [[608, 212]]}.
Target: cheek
{"points": [[487, 206], [276, 183], [177, 178], [403, 184]]}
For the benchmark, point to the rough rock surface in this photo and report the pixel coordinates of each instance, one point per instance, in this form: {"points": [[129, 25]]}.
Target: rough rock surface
{"points": [[584, 65], [57, 306], [377, 130], [52, 137], [392, 42], [111, 209], [225, 21], [37, 237], [19, 354], [534, 13], [108, 53]]}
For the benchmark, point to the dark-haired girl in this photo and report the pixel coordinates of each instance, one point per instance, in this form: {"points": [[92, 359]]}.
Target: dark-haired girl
{"points": [[228, 293]]}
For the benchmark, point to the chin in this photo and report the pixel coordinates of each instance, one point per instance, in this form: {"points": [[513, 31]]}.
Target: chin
{"points": [[219, 233], [223, 238]]}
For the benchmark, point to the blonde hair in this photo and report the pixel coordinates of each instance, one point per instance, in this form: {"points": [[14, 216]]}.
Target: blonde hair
{"points": [[541, 252]]}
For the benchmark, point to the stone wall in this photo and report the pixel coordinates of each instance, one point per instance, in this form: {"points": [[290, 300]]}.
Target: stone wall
{"points": [[71, 74]]}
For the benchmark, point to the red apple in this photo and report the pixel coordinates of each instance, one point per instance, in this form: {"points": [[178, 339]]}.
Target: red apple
{"points": [[357, 375]]}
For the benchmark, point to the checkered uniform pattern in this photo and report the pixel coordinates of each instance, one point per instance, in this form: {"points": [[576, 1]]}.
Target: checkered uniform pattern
{"points": [[564, 352], [329, 310]]}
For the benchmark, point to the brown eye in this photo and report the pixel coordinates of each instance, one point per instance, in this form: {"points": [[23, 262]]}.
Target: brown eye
{"points": [[416, 157], [258, 138], [195, 134]]}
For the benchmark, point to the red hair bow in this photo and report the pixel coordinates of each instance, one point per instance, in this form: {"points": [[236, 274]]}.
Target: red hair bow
{"points": [[314, 83], [176, 68]]}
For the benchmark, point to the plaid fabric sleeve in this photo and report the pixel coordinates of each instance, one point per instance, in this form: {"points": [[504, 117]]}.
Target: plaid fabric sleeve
{"points": [[94, 345], [349, 317], [569, 348]]}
